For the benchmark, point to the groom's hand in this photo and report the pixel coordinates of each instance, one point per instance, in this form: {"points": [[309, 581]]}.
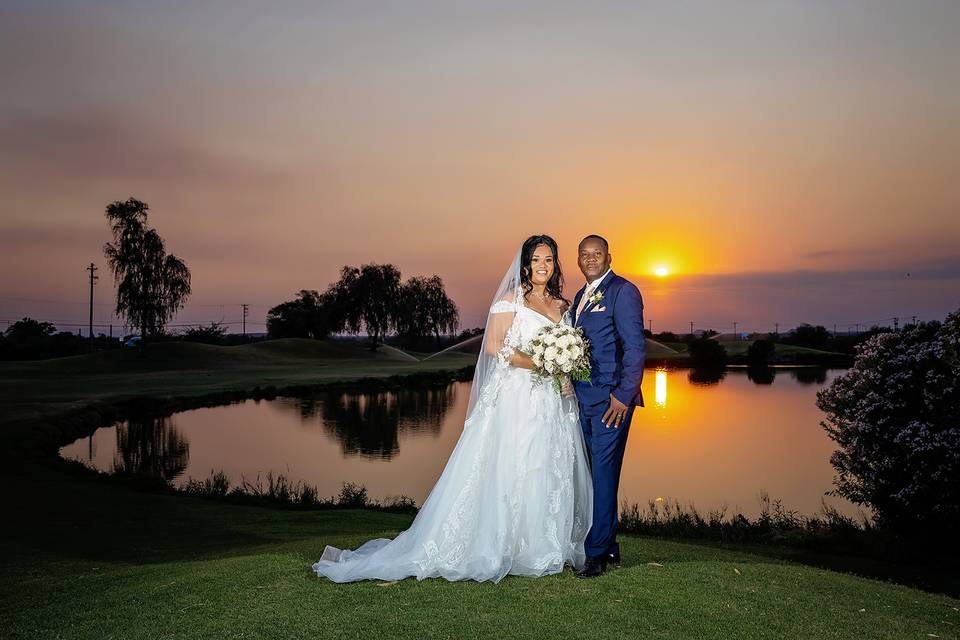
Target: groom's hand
{"points": [[615, 413]]}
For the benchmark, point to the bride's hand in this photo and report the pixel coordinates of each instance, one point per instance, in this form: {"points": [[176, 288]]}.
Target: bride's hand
{"points": [[567, 388]]}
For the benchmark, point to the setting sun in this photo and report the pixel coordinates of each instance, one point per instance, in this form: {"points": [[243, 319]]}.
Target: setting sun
{"points": [[661, 271]]}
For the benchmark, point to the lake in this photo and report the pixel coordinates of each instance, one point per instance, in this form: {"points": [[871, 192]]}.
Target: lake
{"points": [[706, 439]]}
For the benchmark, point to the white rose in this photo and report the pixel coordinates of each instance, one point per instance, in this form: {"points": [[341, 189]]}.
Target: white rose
{"points": [[549, 367], [575, 352], [549, 339], [563, 341], [562, 358], [550, 353]]}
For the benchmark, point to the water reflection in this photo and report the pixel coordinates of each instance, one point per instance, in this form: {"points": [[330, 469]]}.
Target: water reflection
{"points": [[151, 447], [369, 424], [706, 376], [660, 387], [708, 437], [810, 375], [761, 374]]}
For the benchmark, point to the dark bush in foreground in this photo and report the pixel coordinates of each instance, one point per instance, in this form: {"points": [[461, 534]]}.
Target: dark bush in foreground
{"points": [[896, 418], [775, 524]]}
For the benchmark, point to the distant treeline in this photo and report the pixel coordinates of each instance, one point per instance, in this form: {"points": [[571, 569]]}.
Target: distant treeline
{"points": [[371, 298], [705, 349], [805, 335]]}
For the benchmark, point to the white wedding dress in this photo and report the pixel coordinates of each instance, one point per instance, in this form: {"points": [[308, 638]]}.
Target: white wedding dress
{"points": [[515, 496]]}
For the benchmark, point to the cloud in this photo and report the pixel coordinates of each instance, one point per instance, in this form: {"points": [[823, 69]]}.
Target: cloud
{"points": [[841, 253], [100, 146], [53, 237], [944, 268]]}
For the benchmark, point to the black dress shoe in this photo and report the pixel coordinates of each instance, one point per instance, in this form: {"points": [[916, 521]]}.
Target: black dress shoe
{"points": [[613, 558], [593, 567]]}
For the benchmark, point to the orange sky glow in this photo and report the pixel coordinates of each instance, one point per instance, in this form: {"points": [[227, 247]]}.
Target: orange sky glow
{"points": [[786, 162]]}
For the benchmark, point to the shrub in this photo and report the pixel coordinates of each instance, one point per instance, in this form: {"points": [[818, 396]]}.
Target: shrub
{"points": [[707, 353], [761, 351], [353, 495], [896, 418], [213, 333]]}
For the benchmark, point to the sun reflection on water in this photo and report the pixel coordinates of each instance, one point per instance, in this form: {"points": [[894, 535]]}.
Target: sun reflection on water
{"points": [[660, 390]]}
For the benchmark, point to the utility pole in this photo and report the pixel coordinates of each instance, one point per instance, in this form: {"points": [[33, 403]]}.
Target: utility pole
{"points": [[776, 330], [896, 324], [651, 325], [913, 320], [92, 269], [834, 330], [246, 311], [736, 336], [691, 329]]}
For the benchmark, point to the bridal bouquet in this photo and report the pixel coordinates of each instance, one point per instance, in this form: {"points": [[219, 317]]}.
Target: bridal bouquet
{"points": [[559, 351]]}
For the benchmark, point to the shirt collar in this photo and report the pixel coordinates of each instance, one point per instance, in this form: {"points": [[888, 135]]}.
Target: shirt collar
{"points": [[593, 285]]}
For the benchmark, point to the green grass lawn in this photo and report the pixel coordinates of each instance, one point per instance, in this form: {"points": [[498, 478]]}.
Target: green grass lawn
{"points": [[86, 559]]}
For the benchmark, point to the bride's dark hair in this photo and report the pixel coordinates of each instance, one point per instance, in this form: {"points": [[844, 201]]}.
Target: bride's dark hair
{"points": [[555, 283]]}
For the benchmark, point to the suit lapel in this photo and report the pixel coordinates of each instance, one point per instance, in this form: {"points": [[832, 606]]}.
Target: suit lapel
{"points": [[601, 289]]}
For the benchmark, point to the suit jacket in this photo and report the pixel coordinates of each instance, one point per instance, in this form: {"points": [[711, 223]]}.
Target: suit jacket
{"points": [[614, 327]]}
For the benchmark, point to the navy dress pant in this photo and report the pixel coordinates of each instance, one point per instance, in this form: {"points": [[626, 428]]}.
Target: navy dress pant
{"points": [[605, 447]]}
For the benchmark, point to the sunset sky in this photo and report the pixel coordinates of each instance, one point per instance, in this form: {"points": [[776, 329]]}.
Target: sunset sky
{"points": [[783, 161]]}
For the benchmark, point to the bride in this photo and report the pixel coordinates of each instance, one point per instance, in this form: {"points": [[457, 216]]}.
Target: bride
{"points": [[515, 496]]}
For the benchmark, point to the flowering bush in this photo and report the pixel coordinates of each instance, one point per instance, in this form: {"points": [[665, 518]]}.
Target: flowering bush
{"points": [[896, 418], [558, 352]]}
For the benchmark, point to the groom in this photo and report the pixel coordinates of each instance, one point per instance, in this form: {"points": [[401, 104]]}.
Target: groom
{"points": [[609, 309]]}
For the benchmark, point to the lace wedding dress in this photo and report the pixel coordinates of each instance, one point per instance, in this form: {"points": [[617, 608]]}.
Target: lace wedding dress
{"points": [[515, 496]]}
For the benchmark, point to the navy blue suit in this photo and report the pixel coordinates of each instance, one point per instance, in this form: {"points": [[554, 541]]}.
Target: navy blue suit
{"points": [[614, 327]]}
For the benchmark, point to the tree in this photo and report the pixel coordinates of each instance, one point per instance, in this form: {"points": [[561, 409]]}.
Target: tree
{"points": [[368, 298], [152, 285], [707, 353], [28, 328], [210, 334], [761, 352], [310, 315], [425, 309], [809, 336], [895, 417]]}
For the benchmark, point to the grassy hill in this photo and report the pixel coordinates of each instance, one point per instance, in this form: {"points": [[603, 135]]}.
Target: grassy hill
{"points": [[737, 350], [190, 355], [33, 393]]}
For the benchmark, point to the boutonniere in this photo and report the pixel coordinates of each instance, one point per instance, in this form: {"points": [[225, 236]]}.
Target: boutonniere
{"points": [[596, 297]]}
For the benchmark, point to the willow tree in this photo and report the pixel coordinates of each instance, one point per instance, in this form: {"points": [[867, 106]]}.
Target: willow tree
{"points": [[152, 285], [426, 309], [367, 297]]}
